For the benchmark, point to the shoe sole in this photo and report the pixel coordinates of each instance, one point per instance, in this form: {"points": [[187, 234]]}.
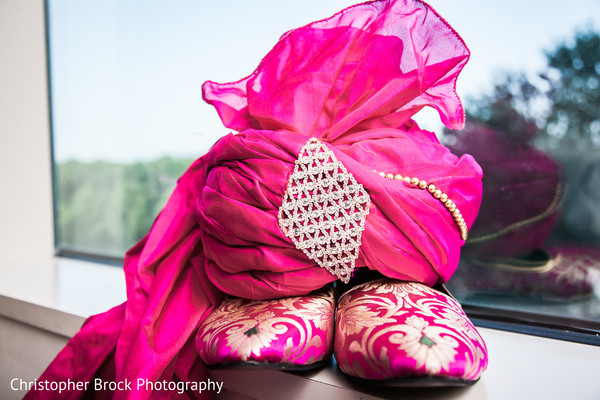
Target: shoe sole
{"points": [[414, 381], [245, 365]]}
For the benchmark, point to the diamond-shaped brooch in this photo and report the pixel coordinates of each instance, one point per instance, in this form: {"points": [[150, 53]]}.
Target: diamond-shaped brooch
{"points": [[324, 210]]}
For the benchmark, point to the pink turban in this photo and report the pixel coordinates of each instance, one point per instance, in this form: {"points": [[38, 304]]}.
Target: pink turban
{"points": [[353, 82]]}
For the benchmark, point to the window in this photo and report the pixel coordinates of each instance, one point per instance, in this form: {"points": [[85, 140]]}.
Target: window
{"points": [[128, 118], [531, 94]]}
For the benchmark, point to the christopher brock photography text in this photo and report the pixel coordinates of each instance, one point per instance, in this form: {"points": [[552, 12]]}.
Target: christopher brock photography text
{"points": [[18, 384]]}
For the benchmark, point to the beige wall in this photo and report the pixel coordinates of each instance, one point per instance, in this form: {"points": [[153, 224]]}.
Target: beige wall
{"points": [[26, 224], [25, 351]]}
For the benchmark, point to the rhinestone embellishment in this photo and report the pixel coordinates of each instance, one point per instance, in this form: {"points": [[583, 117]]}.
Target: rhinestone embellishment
{"points": [[324, 210]]}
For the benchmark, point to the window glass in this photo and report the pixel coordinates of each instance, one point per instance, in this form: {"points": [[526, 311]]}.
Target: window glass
{"points": [[533, 111], [128, 118], [127, 108]]}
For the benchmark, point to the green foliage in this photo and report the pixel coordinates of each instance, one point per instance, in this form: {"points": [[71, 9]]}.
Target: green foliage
{"points": [[104, 208], [508, 107], [560, 106], [575, 115]]}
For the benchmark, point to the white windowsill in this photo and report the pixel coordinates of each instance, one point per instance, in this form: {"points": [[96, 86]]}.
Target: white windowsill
{"points": [[57, 294]]}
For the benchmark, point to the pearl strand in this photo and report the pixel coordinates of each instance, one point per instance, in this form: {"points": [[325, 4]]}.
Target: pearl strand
{"points": [[438, 194]]}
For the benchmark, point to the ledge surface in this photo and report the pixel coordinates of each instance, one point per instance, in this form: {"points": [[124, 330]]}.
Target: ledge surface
{"points": [[56, 295]]}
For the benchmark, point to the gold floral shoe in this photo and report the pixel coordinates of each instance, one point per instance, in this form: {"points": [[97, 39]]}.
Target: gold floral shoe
{"points": [[293, 333], [406, 333]]}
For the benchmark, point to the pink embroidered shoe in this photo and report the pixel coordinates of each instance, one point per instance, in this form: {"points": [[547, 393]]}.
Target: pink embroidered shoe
{"points": [[291, 333], [560, 273], [405, 333]]}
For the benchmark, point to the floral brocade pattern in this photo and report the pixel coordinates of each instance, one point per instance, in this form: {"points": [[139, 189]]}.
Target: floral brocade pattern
{"points": [[389, 329], [291, 331]]}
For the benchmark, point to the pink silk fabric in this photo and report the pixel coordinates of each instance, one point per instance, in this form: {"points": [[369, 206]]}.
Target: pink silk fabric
{"points": [[353, 81]]}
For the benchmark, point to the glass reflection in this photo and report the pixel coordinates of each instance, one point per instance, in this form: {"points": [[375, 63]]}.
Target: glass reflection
{"points": [[535, 245]]}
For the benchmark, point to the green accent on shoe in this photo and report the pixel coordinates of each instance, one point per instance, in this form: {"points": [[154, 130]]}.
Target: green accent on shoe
{"points": [[251, 331], [426, 341]]}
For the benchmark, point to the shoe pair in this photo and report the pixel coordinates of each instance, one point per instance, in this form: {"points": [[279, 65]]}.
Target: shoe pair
{"points": [[386, 330], [557, 273]]}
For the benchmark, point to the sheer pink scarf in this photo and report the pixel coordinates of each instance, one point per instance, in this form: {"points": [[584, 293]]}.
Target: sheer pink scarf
{"points": [[353, 81]]}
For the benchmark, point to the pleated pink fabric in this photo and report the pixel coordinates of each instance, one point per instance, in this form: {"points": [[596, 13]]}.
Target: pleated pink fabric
{"points": [[353, 81]]}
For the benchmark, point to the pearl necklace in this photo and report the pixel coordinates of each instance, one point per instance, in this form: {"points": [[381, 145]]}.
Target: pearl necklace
{"points": [[438, 194]]}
